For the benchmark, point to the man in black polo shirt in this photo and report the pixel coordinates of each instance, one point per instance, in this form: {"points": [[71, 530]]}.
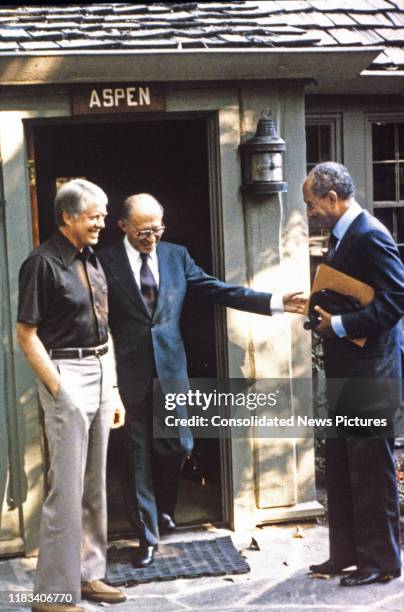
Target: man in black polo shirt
{"points": [[63, 330]]}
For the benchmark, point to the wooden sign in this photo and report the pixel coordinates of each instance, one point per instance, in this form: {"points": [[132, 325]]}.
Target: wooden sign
{"points": [[117, 98]]}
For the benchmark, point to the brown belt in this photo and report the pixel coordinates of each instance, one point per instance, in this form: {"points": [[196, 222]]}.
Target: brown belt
{"points": [[78, 353]]}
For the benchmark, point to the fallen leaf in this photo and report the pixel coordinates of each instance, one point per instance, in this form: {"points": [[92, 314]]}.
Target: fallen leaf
{"points": [[299, 532], [254, 545], [321, 576]]}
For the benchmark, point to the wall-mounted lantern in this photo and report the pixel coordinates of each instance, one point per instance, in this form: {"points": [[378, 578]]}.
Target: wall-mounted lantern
{"points": [[262, 159]]}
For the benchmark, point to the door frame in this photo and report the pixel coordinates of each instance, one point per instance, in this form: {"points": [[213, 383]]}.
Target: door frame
{"points": [[216, 229]]}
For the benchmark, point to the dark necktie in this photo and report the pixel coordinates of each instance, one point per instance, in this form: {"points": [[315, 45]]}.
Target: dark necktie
{"points": [[332, 248], [148, 286]]}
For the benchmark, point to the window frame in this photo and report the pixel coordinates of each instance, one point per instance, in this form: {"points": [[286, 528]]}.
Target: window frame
{"points": [[370, 118], [334, 120]]}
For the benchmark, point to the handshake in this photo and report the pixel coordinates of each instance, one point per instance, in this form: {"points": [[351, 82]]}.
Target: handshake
{"points": [[320, 307]]}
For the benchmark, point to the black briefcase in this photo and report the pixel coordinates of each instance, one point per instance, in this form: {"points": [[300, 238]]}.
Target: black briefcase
{"points": [[331, 301]]}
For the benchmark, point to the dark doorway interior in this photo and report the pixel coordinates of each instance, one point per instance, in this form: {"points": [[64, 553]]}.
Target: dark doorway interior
{"points": [[169, 159]]}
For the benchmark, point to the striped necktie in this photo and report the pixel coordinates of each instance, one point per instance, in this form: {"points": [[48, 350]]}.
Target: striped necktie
{"points": [[332, 248]]}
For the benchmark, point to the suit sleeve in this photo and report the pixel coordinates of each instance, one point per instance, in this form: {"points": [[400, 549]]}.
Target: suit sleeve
{"points": [[218, 292], [384, 271]]}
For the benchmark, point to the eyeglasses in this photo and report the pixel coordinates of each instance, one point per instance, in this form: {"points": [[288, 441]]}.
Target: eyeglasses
{"points": [[147, 233]]}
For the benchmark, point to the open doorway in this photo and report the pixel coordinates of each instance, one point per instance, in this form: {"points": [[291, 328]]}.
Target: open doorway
{"points": [[169, 159]]}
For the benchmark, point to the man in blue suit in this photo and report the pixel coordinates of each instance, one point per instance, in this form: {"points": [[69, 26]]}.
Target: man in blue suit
{"points": [[147, 283], [363, 507]]}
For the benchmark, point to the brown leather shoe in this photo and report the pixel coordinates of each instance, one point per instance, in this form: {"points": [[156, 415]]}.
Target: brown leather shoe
{"points": [[56, 607], [96, 590]]}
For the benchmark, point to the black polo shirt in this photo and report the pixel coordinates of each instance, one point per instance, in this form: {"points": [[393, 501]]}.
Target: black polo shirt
{"points": [[63, 292]]}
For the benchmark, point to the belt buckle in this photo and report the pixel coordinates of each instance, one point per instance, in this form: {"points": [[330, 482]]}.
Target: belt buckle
{"points": [[97, 352]]}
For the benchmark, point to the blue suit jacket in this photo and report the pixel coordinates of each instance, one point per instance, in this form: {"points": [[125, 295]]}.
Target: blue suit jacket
{"points": [[142, 342], [368, 253]]}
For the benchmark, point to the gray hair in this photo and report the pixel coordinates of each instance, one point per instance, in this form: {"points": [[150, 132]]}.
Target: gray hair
{"points": [[142, 201], [73, 196], [330, 176]]}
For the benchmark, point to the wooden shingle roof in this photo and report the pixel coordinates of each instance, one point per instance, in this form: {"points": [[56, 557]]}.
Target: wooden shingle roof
{"points": [[66, 28]]}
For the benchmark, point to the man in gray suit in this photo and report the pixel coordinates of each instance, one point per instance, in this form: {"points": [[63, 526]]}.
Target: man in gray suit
{"points": [[147, 283], [63, 330]]}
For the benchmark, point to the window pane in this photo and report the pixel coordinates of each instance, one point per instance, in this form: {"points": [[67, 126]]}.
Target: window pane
{"points": [[312, 144], [319, 138], [401, 180], [385, 215], [400, 127], [383, 141], [400, 224], [384, 187], [325, 143]]}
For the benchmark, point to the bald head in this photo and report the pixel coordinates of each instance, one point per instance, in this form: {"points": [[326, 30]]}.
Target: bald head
{"points": [[142, 221], [140, 204]]}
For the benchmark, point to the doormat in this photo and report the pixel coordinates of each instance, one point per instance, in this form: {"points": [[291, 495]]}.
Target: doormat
{"points": [[216, 557]]}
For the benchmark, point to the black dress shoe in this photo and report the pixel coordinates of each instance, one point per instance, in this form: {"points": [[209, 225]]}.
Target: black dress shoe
{"points": [[330, 567], [166, 523], [144, 555], [364, 578]]}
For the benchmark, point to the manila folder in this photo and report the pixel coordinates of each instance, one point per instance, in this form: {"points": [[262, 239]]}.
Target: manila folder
{"points": [[329, 278]]}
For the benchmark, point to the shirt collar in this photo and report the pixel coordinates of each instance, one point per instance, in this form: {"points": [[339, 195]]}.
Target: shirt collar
{"points": [[134, 253], [68, 251], [345, 221]]}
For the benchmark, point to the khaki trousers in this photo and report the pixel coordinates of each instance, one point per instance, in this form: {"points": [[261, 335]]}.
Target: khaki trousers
{"points": [[73, 535]]}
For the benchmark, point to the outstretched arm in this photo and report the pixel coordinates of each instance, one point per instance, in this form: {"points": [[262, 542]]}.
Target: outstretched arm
{"points": [[236, 296]]}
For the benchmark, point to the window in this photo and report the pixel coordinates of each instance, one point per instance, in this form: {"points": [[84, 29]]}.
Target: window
{"points": [[387, 150], [318, 143], [323, 143]]}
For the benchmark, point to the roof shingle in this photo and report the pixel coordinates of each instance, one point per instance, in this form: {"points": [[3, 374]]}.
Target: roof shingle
{"points": [[207, 25]]}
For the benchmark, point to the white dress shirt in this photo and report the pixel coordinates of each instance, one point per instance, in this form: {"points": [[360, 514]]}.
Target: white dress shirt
{"points": [[135, 262]]}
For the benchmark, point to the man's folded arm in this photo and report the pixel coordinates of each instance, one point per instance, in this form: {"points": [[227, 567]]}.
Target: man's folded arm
{"points": [[386, 270]]}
